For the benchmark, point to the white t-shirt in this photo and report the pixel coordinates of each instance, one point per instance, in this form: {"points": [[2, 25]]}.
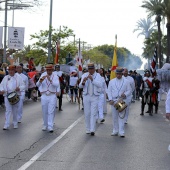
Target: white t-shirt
{"points": [[73, 81]]}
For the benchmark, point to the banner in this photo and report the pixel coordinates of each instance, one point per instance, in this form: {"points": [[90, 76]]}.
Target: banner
{"points": [[16, 37], [1, 32]]}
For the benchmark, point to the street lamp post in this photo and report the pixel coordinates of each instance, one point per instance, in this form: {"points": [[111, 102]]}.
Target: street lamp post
{"points": [[50, 29], [5, 30]]}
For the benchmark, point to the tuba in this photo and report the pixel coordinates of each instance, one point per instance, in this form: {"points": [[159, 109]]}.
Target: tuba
{"points": [[120, 105]]}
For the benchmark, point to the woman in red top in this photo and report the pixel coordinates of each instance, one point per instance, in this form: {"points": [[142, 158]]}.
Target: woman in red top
{"points": [[31, 64]]}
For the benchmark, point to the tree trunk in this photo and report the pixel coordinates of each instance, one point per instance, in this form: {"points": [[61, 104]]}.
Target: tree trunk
{"points": [[168, 43]]}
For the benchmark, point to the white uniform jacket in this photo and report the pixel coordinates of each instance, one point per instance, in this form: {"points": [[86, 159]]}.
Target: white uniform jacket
{"points": [[25, 79], [97, 82], [167, 104], [46, 86], [132, 82], [10, 83], [104, 86], [117, 87]]}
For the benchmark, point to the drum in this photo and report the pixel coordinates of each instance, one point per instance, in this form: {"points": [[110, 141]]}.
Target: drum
{"points": [[13, 98], [120, 105]]}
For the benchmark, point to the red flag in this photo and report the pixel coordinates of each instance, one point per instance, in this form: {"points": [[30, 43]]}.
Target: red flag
{"points": [[80, 60], [57, 52]]}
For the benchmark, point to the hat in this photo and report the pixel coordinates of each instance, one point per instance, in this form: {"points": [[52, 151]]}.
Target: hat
{"points": [[49, 67], [91, 66], [119, 70], [84, 70], [57, 66], [21, 64], [147, 71], [11, 67]]}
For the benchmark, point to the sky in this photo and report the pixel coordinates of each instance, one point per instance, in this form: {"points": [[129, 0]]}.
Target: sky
{"points": [[93, 21]]}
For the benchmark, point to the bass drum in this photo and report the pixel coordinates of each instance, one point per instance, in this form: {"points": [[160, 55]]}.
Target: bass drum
{"points": [[13, 98]]}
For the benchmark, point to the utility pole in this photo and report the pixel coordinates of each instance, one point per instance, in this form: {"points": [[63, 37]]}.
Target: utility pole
{"points": [[50, 27], [5, 30]]}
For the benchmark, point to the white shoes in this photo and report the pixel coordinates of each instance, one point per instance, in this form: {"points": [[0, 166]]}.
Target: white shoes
{"points": [[169, 148], [5, 128], [87, 132], [114, 134], [44, 128], [15, 126], [122, 136]]}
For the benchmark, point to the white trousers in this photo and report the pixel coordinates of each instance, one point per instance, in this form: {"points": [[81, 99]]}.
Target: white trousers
{"points": [[90, 110], [20, 106], [100, 107], [118, 123], [105, 104], [48, 103], [127, 109], [10, 109]]}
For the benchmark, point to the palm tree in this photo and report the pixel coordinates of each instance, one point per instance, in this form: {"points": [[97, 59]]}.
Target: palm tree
{"points": [[160, 8], [145, 26], [154, 7], [150, 43], [166, 13]]}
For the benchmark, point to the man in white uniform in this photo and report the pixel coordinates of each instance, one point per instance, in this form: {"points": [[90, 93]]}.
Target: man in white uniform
{"points": [[91, 84], [11, 83], [47, 85], [118, 88], [132, 85], [22, 97], [167, 109]]}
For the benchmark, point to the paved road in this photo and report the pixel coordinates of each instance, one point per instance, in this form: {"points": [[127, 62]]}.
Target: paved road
{"points": [[69, 148]]}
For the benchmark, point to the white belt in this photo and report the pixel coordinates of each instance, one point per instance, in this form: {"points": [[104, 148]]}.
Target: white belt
{"points": [[48, 94]]}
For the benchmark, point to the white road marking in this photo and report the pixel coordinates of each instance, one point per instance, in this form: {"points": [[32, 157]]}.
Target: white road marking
{"points": [[46, 148]]}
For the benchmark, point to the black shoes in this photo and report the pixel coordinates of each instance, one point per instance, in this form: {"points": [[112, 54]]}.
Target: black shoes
{"points": [[141, 114], [92, 133], [102, 120]]}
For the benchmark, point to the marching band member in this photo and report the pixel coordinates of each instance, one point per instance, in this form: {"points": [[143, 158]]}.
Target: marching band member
{"points": [[11, 83], [102, 96], [22, 97], [119, 88], [47, 85], [91, 84], [132, 85], [167, 109]]}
